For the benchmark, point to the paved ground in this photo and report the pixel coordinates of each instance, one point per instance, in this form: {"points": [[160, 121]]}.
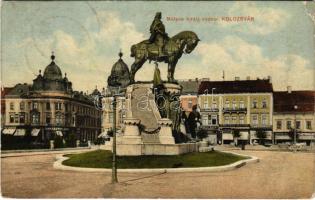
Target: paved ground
{"points": [[277, 175]]}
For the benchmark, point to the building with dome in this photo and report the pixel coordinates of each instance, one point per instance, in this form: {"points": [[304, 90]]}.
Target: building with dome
{"points": [[50, 107], [117, 81]]}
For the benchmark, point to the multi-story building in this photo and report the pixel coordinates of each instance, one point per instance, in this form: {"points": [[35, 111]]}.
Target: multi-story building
{"points": [[294, 111], [50, 107], [188, 97], [236, 110], [4, 91]]}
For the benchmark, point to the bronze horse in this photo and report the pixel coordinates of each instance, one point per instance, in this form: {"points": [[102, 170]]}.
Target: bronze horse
{"points": [[183, 42]]}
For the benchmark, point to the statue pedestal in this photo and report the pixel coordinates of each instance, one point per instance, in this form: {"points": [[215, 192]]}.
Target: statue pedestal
{"points": [[165, 133], [131, 133]]}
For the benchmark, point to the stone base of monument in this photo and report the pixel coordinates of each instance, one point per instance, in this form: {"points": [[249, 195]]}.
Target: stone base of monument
{"points": [[165, 133]]}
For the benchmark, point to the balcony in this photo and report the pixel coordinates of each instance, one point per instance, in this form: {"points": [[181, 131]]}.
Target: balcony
{"points": [[209, 109], [234, 110], [261, 126], [235, 125]]}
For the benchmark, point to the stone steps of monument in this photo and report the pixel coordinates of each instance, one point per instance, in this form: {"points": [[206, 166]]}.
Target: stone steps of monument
{"points": [[141, 109]]}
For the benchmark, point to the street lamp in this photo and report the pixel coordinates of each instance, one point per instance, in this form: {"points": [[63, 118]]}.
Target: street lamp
{"points": [[295, 108], [115, 91]]}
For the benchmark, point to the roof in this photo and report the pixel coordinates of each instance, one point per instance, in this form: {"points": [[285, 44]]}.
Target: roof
{"points": [[52, 71], [5, 91], [20, 90], [285, 102], [190, 86], [239, 86]]}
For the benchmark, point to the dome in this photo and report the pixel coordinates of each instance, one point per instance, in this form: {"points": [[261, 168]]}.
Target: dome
{"points": [[120, 68], [120, 74], [52, 71]]}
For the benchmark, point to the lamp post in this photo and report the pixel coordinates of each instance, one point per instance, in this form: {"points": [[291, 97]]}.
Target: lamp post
{"points": [[114, 164], [116, 91], [295, 108]]}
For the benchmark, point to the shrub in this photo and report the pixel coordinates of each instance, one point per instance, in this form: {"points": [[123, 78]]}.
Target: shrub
{"points": [[71, 140], [202, 134], [58, 142]]}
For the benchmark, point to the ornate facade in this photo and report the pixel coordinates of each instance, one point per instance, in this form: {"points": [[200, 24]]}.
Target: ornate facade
{"points": [[50, 107]]}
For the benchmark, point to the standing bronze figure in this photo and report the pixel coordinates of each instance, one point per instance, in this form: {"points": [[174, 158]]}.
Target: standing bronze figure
{"points": [[160, 48]]}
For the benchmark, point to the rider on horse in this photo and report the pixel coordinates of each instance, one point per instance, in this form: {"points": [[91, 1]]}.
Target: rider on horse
{"points": [[158, 34]]}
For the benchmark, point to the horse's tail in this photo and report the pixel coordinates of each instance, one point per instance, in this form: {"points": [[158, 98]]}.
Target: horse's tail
{"points": [[133, 51]]}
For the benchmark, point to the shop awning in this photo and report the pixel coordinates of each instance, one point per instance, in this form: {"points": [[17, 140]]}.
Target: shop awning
{"points": [[103, 135], [19, 132], [35, 132], [59, 133], [227, 136], [8, 131]]}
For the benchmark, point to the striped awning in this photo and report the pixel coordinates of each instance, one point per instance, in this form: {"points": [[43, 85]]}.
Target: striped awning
{"points": [[8, 131], [19, 132], [35, 132]]}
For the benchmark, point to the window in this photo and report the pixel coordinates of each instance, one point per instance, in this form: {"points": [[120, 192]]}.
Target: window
{"points": [[242, 119], [264, 103], [234, 104], [289, 125], [35, 105], [242, 104], [48, 118], [35, 118], [58, 106], [227, 119], [309, 125], [22, 118], [254, 103], [213, 119], [11, 118], [66, 107], [264, 119], [16, 118], [58, 119], [11, 106], [214, 105], [233, 119], [255, 119], [189, 103], [204, 119], [279, 124], [22, 106], [47, 106], [205, 104], [298, 124], [227, 104]]}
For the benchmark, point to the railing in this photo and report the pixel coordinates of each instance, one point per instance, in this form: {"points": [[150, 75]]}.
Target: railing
{"points": [[209, 109], [225, 110], [235, 125]]}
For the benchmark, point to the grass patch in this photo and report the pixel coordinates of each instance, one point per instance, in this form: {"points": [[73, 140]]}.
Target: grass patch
{"points": [[103, 159]]}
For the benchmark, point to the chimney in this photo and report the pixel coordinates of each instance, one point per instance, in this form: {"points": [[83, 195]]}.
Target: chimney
{"points": [[237, 78], [248, 78], [289, 89], [196, 79], [269, 78]]}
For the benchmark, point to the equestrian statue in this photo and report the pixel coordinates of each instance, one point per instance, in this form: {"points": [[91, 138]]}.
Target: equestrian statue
{"points": [[161, 48]]}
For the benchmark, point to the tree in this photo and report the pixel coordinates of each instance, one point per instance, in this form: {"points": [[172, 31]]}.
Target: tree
{"points": [[261, 134], [236, 133], [202, 134], [71, 140], [58, 142], [291, 134]]}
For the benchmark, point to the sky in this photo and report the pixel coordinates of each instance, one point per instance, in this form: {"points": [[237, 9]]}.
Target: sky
{"points": [[86, 38]]}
